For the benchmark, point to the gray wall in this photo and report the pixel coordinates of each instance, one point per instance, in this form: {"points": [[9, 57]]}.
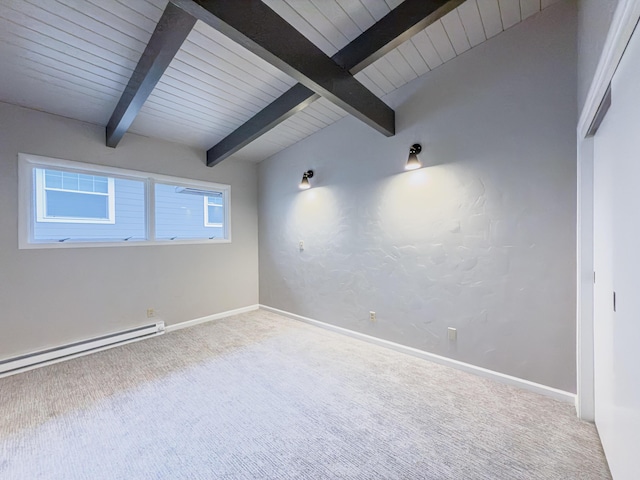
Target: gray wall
{"points": [[53, 296], [594, 19], [482, 239]]}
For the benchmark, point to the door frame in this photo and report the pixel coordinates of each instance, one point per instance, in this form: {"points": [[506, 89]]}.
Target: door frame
{"points": [[624, 21]]}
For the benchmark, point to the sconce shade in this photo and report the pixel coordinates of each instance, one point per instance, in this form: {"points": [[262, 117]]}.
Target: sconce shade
{"points": [[304, 183], [413, 162]]}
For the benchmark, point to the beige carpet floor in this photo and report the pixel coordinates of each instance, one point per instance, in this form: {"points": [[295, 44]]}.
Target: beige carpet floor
{"points": [[259, 396]]}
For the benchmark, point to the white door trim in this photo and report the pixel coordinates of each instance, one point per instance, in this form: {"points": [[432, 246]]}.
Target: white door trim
{"points": [[623, 24]]}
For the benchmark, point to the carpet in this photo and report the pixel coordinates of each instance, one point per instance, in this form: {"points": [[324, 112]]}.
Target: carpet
{"points": [[260, 396]]}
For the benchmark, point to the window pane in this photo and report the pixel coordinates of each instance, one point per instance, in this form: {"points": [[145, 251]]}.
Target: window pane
{"points": [[76, 205], [86, 183], [100, 184], [216, 214], [70, 181], [215, 200], [129, 215], [180, 213], [53, 179]]}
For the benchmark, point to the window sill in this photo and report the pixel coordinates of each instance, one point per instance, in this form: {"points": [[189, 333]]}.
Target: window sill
{"points": [[134, 243]]}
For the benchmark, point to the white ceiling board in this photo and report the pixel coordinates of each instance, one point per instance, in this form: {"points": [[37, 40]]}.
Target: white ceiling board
{"points": [[392, 74], [413, 57], [382, 82], [364, 79], [260, 149], [400, 64], [30, 89], [490, 14], [324, 105], [84, 26], [455, 31], [210, 42], [172, 130], [472, 23], [50, 61], [312, 120], [73, 55], [37, 41], [118, 19], [320, 22], [377, 8], [331, 24], [305, 27], [510, 12], [342, 21], [357, 13], [288, 132], [143, 14], [393, 3], [441, 41], [425, 47]]}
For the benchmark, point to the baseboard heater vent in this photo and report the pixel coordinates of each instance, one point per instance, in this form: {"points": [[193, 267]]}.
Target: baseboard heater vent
{"points": [[22, 363]]}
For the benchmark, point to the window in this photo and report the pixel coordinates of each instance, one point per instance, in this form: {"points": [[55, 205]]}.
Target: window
{"points": [[183, 212], [64, 203], [74, 197]]}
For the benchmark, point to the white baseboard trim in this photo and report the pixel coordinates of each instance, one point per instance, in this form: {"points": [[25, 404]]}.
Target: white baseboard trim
{"points": [[482, 372], [209, 318], [62, 353], [165, 329]]}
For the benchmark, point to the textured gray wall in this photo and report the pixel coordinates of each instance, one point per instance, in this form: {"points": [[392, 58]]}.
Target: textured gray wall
{"points": [[51, 297], [482, 239], [594, 19]]}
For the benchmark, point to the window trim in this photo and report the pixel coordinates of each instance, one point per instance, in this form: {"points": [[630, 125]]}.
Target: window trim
{"points": [[41, 204], [27, 198]]}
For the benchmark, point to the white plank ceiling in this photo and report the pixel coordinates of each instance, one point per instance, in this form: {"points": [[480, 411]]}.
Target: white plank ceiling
{"points": [[74, 58]]}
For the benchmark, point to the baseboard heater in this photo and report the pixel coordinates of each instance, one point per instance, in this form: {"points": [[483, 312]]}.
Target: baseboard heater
{"points": [[41, 358]]}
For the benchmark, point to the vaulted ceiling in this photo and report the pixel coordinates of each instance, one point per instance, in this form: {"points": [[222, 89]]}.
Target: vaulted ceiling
{"points": [[75, 58]]}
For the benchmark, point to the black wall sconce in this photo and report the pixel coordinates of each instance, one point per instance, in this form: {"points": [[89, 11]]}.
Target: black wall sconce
{"points": [[304, 183], [413, 162]]}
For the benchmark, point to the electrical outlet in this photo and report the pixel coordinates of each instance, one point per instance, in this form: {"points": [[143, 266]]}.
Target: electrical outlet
{"points": [[372, 316], [453, 334], [301, 245], [151, 313]]}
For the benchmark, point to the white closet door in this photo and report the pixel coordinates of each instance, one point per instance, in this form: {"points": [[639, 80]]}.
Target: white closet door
{"points": [[617, 267]]}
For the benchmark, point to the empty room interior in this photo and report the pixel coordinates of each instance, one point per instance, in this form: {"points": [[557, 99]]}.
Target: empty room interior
{"points": [[319, 239]]}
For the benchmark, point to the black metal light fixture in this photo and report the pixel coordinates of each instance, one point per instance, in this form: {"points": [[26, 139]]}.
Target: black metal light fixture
{"points": [[304, 183], [413, 162]]}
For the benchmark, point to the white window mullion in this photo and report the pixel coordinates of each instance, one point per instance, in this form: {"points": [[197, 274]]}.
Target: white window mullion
{"points": [[150, 196], [111, 189], [41, 211]]}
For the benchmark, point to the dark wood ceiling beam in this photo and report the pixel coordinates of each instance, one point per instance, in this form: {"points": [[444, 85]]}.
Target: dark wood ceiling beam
{"points": [[169, 35], [287, 105], [258, 28], [393, 29]]}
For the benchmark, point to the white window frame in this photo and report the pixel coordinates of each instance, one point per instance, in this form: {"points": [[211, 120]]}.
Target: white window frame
{"points": [[206, 214], [28, 197], [41, 204]]}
